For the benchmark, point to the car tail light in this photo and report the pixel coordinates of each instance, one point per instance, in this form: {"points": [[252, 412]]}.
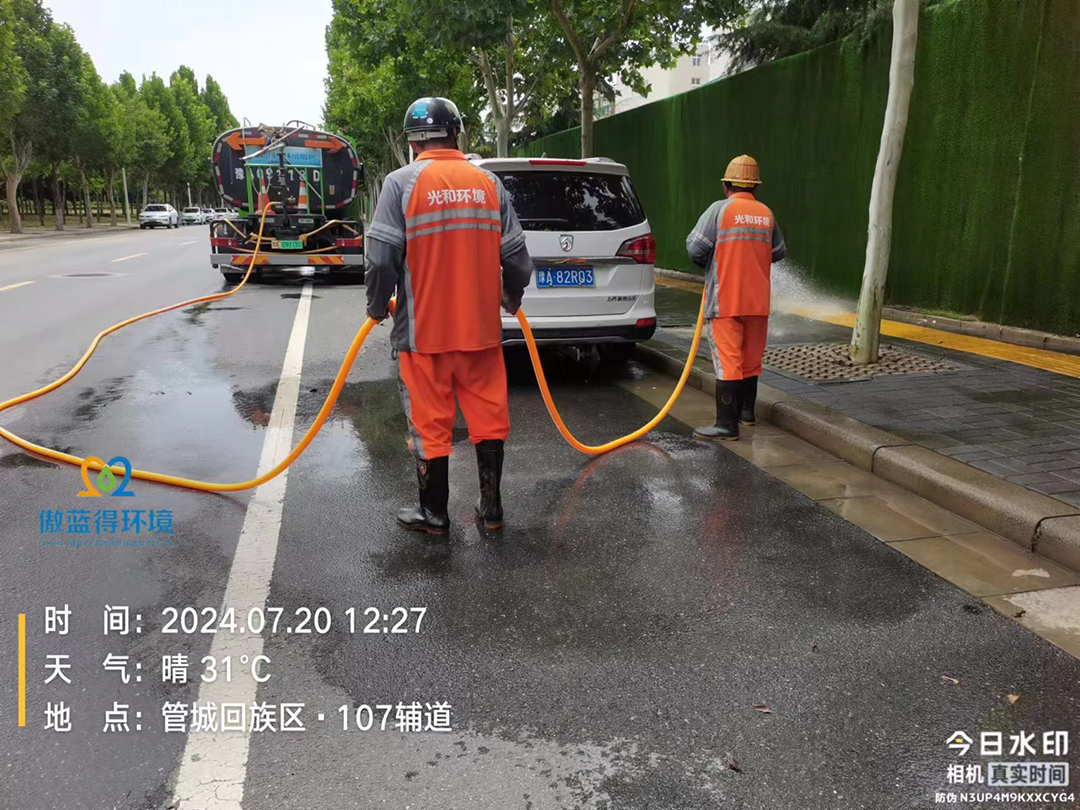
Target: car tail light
{"points": [[556, 162], [350, 243], [641, 249], [222, 241], [645, 322]]}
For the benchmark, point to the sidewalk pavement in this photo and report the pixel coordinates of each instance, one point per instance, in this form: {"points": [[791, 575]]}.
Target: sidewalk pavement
{"points": [[74, 230], [1017, 423]]}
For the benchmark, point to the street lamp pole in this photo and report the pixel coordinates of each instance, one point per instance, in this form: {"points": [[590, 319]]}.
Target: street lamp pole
{"points": [[189, 195]]}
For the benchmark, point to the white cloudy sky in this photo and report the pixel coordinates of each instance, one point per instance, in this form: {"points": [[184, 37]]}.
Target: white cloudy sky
{"points": [[269, 56]]}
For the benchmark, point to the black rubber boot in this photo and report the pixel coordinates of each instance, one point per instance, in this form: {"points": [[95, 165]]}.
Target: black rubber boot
{"points": [[489, 461], [727, 413], [433, 479], [747, 400]]}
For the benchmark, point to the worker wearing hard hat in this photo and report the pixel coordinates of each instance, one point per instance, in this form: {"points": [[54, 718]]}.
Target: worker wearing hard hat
{"points": [[736, 241], [446, 241]]}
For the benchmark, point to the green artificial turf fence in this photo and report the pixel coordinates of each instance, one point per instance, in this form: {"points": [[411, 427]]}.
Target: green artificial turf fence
{"points": [[986, 219]]}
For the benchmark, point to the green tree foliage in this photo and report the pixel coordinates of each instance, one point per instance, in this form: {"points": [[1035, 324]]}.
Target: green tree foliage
{"points": [[159, 98], [218, 105], [57, 105], [609, 37], [378, 64], [96, 130], [12, 92], [58, 119], [772, 29], [201, 127]]}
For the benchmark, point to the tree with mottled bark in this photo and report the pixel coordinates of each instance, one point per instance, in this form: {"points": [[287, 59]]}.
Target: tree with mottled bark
{"points": [[867, 331]]}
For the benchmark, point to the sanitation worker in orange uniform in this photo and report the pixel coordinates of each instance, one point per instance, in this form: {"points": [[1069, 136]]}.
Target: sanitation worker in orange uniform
{"points": [[446, 241], [736, 241]]}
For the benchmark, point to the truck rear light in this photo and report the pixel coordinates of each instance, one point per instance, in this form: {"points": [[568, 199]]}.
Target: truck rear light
{"points": [[642, 249], [556, 162], [222, 241], [645, 322], [350, 243]]}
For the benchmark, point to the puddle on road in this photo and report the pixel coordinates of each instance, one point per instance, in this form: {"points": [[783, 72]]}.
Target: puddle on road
{"points": [[194, 314], [93, 402], [12, 460], [256, 404]]}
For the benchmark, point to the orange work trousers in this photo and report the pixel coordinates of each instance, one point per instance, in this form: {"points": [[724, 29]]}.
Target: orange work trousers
{"points": [[428, 384], [737, 345]]}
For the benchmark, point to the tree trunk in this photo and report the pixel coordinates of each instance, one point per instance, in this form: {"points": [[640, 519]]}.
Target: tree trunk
{"points": [[587, 86], [502, 136], [88, 204], [145, 189], [13, 208], [59, 200], [111, 192], [39, 203], [864, 338]]}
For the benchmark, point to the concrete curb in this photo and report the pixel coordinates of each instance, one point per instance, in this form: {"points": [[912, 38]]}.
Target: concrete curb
{"points": [[1039, 523], [993, 331]]}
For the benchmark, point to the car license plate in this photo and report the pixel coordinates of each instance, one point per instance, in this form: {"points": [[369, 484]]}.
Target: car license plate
{"points": [[565, 277], [287, 244]]}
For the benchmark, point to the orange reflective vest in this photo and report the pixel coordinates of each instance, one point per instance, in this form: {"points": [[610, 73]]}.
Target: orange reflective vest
{"points": [[455, 226], [736, 241]]}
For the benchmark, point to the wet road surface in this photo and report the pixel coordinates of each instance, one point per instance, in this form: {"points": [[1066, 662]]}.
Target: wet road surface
{"points": [[606, 650]]}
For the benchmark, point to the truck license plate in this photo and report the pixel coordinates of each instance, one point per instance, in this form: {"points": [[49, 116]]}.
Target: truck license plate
{"points": [[287, 244]]}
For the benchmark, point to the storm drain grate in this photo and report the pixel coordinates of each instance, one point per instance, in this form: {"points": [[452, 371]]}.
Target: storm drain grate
{"points": [[830, 362]]}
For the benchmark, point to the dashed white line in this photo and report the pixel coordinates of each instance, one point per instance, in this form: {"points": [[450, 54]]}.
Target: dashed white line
{"points": [[189, 242], [15, 286], [132, 256], [214, 765]]}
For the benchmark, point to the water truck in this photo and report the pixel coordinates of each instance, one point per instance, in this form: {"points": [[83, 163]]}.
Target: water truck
{"points": [[311, 181]]}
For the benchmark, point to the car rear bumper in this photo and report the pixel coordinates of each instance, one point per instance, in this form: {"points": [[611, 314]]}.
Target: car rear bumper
{"points": [[637, 324]]}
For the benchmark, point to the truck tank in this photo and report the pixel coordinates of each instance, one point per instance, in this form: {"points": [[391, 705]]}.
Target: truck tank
{"points": [[311, 179]]}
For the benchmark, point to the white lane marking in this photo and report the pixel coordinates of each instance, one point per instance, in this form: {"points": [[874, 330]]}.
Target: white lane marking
{"points": [[15, 286], [189, 242], [214, 764], [132, 256]]}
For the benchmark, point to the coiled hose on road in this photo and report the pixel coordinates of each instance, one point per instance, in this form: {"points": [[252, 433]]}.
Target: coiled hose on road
{"points": [[328, 404]]}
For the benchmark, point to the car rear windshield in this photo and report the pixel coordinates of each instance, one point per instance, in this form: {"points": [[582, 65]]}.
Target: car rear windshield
{"points": [[573, 201], [155, 208], [191, 210]]}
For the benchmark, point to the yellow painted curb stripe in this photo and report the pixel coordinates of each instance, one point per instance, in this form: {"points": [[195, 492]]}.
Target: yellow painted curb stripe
{"points": [[1044, 359]]}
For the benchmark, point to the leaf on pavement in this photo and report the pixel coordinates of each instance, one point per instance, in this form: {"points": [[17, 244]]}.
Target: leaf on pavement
{"points": [[1013, 698], [950, 680], [761, 707], [730, 764]]}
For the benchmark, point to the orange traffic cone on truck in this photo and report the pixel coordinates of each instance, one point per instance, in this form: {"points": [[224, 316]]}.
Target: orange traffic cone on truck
{"points": [[301, 197], [264, 194]]}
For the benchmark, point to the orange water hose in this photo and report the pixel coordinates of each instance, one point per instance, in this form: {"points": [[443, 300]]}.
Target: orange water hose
{"points": [[328, 404]]}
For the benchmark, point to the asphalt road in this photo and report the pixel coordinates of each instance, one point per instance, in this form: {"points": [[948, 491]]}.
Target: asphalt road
{"points": [[606, 651]]}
